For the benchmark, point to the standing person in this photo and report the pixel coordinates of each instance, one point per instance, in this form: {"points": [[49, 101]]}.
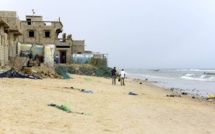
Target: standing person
{"points": [[122, 77], [57, 58], [64, 58], [113, 74]]}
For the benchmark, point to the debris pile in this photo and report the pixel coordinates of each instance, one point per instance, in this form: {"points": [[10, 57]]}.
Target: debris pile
{"points": [[41, 71], [62, 71]]}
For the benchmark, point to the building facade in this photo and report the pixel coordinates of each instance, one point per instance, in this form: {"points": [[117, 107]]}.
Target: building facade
{"points": [[37, 40], [34, 35], [9, 32]]}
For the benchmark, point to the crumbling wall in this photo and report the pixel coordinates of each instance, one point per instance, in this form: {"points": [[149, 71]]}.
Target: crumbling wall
{"points": [[11, 18], [6, 49], [8, 13], [39, 28], [3, 47], [78, 46]]}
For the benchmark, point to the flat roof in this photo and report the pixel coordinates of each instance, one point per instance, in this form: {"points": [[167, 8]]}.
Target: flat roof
{"points": [[33, 16]]}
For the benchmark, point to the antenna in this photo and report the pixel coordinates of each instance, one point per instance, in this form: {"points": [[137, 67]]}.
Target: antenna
{"points": [[33, 11]]}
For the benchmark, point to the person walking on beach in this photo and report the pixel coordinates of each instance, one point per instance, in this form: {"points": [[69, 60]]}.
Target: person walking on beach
{"points": [[122, 77], [113, 74]]}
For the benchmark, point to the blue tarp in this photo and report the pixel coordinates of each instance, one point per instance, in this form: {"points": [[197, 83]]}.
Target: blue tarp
{"points": [[12, 73]]}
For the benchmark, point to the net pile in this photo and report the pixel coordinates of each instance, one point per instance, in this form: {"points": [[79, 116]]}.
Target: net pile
{"points": [[103, 71], [12, 73], [60, 70]]}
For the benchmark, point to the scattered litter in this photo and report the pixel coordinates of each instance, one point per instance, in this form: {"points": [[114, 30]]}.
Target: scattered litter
{"points": [[89, 114], [172, 89], [62, 107], [211, 96], [132, 93], [88, 79], [173, 95], [67, 109], [86, 91], [184, 93], [73, 88]]}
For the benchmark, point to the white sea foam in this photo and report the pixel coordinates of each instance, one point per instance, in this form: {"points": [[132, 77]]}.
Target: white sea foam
{"points": [[202, 70], [156, 77], [182, 69], [196, 70], [189, 75], [186, 79], [201, 78]]}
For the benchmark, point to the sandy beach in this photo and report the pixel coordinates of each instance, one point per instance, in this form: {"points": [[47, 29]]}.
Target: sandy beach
{"points": [[24, 108]]}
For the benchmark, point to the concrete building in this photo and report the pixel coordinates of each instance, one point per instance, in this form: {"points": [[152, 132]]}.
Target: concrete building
{"points": [[35, 36], [9, 32], [38, 40], [36, 31]]}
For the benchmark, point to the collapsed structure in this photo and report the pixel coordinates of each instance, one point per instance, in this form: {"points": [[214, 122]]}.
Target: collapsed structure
{"points": [[38, 40]]}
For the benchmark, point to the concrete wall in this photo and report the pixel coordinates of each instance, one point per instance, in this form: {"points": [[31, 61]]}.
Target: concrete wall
{"points": [[64, 46], [39, 28], [10, 34], [78, 46], [58, 42], [8, 13], [3, 47], [34, 18], [6, 49], [11, 18]]}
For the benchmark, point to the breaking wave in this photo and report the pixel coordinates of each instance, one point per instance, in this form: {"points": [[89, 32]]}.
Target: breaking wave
{"points": [[156, 77], [197, 70], [199, 78]]}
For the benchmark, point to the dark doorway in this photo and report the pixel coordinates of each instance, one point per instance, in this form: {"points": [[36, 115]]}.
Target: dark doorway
{"points": [[63, 57]]}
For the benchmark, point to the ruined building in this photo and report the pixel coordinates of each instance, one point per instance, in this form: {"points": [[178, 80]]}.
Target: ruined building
{"points": [[37, 38], [9, 32]]}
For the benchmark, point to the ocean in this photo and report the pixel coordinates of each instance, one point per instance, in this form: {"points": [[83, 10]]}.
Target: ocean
{"points": [[198, 82]]}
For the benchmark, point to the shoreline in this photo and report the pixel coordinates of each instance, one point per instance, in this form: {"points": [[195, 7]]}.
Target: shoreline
{"points": [[194, 82], [178, 92], [195, 93]]}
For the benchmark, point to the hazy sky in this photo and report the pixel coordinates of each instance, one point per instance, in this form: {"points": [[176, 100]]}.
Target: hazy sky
{"points": [[135, 33]]}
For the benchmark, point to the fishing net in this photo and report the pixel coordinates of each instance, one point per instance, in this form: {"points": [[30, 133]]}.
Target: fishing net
{"points": [[12, 73], [60, 70], [103, 71]]}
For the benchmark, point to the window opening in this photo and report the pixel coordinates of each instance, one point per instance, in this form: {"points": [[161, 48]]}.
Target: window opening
{"points": [[29, 21], [47, 34], [31, 33]]}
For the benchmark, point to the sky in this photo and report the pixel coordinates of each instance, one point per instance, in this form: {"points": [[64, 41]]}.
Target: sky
{"points": [[134, 33]]}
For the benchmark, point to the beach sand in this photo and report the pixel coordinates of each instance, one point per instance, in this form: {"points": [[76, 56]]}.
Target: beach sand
{"points": [[24, 110]]}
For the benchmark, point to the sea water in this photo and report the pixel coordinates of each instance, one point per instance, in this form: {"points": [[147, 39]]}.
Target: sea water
{"points": [[199, 82]]}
